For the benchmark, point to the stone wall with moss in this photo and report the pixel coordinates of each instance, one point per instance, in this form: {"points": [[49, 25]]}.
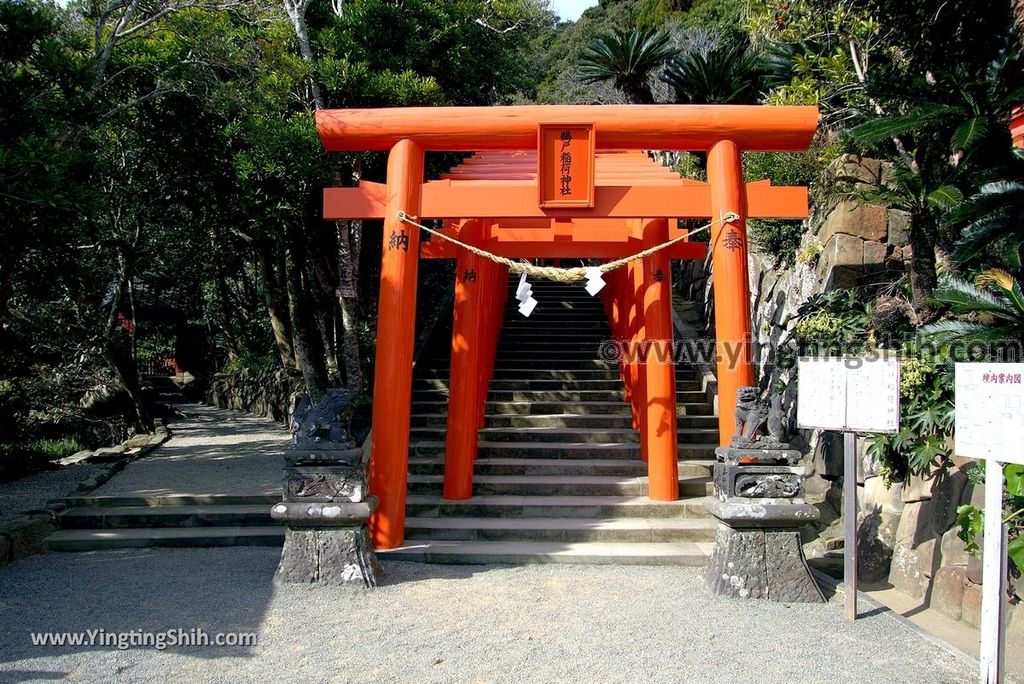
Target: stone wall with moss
{"points": [[262, 392]]}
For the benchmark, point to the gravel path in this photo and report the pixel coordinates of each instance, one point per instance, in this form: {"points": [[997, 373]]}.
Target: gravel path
{"points": [[433, 623], [211, 451], [32, 492]]}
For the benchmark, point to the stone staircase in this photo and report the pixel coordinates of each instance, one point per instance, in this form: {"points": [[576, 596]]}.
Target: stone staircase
{"points": [[558, 476], [90, 523]]}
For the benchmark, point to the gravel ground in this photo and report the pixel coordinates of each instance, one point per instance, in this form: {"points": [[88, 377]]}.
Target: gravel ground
{"points": [[211, 451], [433, 623], [32, 492]]}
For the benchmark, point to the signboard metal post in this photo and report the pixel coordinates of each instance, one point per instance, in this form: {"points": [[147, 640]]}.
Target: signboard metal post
{"points": [[993, 577], [850, 523], [849, 395]]}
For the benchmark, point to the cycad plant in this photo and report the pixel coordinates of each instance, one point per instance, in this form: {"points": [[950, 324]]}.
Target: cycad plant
{"points": [[994, 305], [627, 58], [992, 221], [730, 73]]}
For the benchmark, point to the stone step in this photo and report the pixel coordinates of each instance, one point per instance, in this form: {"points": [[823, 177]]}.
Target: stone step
{"points": [[588, 553], [574, 450], [118, 517], [619, 467], [558, 299], [683, 373], [550, 355], [553, 337], [562, 529], [536, 364], [550, 385], [587, 323], [168, 500], [567, 420], [549, 485], [554, 407], [534, 396], [564, 434], [137, 538], [567, 506]]}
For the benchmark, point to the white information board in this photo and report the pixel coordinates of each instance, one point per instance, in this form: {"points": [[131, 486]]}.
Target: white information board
{"points": [[990, 411], [990, 426], [852, 394]]}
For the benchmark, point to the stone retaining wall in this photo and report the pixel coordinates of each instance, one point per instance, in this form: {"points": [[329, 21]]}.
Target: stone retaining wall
{"points": [[264, 393]]}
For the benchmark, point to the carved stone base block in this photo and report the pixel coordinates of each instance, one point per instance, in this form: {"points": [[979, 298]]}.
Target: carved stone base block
{"points": [[332, 556], [760, 563]]}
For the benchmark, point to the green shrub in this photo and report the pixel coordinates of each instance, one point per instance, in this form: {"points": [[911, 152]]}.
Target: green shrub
{"points": [[23, 458], [777, 238], [253, 362]]}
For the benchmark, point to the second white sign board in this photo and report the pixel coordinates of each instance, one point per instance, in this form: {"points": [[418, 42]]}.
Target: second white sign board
{"points": [[850, 394], [990, 411]]}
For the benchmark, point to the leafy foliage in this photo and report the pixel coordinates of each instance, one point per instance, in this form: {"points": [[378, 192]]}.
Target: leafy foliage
{"points": [[971, 519], [161, 186]]}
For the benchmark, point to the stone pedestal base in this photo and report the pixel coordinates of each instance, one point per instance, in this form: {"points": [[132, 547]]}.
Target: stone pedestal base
{"points": [[760, 563], [332, 556]]}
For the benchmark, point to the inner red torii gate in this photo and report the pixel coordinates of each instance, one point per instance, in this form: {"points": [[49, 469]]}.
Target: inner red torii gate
{"points": [[505, 199]]}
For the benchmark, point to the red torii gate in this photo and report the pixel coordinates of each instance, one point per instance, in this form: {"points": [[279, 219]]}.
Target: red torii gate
{"points": [[505, 199]]}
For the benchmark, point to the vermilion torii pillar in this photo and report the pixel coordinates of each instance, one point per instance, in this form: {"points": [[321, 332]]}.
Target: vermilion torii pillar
{"points": [[731, 282], [506, 188], [396, 323], [659, 368], [465, 377]]}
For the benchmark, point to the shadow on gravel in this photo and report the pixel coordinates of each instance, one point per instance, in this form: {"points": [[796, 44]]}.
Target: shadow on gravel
{"points": [[146, 590], [404, 572]]}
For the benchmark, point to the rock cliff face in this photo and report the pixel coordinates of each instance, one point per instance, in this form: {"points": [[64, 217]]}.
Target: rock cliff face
{"points": [[907, 535], [265, 393]]}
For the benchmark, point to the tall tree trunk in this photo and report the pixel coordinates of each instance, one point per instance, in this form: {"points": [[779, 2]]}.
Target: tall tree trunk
{"points": [[638, 93], [923, 275], [348, 298], [304, 338], [296, 10], [119, 358], [275, 297]]}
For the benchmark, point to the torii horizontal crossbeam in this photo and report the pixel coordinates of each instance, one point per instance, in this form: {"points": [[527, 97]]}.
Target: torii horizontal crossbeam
{"points": [[518, 199], [652, 127]]}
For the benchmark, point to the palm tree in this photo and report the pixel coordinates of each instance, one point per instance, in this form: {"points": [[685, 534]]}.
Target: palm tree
{"points": [[729, 73], [995, 304], [627, 58]]}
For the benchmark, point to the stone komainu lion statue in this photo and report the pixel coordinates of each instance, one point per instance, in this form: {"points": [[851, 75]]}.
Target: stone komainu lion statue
{"points": [[751, 412], [325, 422]]}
